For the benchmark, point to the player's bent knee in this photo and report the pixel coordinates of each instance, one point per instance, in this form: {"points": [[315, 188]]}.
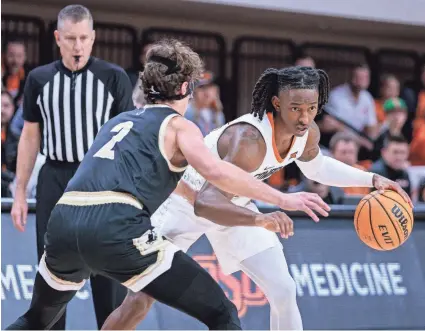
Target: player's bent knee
{"points": [[226, 318], [285, 293], [138, 302]]}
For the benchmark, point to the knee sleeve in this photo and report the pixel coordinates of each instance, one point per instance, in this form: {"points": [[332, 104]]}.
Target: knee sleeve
{"points": [[284, 293], [226, 319], [189, 288], [269, 270]]}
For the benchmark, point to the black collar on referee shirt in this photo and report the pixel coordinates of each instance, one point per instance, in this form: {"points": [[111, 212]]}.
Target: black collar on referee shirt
{"points": [[68, 72]]}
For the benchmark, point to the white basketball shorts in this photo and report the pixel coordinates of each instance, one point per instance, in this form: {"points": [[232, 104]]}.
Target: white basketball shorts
{"points": [[175, 219]]}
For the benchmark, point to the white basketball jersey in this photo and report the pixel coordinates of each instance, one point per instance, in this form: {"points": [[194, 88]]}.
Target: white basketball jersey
{"points": [[272, 162]]}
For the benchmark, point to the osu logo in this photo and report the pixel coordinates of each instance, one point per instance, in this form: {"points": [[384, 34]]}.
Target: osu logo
{"points": [[241, 290]]}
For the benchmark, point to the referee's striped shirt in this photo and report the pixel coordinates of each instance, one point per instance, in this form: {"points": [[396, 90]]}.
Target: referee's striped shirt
{"points": [[72, 106]]}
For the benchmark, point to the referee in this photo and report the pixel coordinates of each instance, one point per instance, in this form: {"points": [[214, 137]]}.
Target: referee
{"points": [[65, 104]]}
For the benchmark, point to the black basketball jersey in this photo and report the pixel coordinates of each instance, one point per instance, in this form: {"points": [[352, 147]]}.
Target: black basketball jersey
{"points": [[128, 156]]}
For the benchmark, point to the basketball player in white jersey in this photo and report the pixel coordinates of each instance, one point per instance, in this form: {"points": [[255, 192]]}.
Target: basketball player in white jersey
{"points": [[279, 130]]}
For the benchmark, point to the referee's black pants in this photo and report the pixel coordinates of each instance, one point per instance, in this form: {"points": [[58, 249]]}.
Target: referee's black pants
{"points": [[52, 181]]}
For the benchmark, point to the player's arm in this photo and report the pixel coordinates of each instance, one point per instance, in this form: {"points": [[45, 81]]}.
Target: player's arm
{"points": [[232, 179], [246, 150], [329, 171], [216, 206]]}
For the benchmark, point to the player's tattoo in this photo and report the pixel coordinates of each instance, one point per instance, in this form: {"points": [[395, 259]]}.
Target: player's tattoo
{"points": [[310, 154], [248, 133], [312, 147]]}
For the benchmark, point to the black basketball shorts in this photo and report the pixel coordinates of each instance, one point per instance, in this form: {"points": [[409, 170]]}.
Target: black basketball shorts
{"points": [[106, 233]]}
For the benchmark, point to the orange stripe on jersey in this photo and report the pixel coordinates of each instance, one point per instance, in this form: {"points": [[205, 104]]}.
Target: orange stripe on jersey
{"points": [[275, 150]]}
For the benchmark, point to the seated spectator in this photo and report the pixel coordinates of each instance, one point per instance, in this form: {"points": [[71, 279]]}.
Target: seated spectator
{"points": [[351, 107], [417, 147], [329, 194], [414, 95], [396, 114], [17, 123], [344, 148], [393, 162], [421, 196], [389, 88], [305, 61], [205, 109], [419, 120], [14, 70], [7, 168]]}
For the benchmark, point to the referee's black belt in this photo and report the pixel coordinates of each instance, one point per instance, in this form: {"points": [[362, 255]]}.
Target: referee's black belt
{"points": [[62, 164]]}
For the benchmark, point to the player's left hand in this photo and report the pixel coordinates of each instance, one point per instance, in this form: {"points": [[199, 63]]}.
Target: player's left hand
{"points": [[381, 184]]}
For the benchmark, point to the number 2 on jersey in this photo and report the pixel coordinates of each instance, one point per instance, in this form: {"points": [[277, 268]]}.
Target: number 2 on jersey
{"points": [[106, 152]]}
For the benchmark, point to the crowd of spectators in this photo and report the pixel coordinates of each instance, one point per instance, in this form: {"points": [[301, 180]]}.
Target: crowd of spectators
{"points": [[385, 135]]}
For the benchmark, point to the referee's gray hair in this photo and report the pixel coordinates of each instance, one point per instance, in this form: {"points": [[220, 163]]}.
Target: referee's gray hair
{"points": [[74, 13]]}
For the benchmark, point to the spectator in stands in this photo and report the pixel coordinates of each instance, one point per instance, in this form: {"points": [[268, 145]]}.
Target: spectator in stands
{"points": [[421, 197], [305, 61], [420, 104], [7, 112], [206, 109], [393, 163], [13, 135], [7, 167], [417, 147], [414, 95], [389, 88], [351, 107], [395, 110], [15, 130], [14, 70], [344, 148]]}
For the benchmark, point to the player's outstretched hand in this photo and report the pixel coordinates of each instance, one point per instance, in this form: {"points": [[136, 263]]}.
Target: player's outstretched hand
{"points": [[306, 202], [277, 222], [381, 184]]}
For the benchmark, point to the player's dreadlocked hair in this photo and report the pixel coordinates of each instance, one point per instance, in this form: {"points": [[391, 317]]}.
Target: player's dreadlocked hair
{"points": [[272, 81]]}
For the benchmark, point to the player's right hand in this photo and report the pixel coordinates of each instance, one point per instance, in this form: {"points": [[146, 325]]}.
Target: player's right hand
{"points": [[19, 211], [277, 222], [306, 202]]}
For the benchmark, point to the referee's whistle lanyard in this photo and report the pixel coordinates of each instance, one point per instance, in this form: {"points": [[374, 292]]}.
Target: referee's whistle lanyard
{"points": [[74, 73]]}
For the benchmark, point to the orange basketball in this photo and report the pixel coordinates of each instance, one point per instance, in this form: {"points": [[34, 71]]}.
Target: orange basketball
{"points": [[383, 221]]}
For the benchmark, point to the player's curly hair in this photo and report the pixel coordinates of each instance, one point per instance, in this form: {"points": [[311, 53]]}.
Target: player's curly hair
{"points": [[154, 75], [272, 81]]}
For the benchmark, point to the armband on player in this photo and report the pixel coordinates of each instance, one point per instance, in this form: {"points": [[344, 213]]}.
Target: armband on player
{"points": [[328, 171]]}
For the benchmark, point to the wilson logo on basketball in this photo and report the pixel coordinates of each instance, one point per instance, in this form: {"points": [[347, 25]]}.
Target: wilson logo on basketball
{"points": [[401, 219]]}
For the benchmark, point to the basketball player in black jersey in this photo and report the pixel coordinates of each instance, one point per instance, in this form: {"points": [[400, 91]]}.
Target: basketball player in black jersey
{"points": [[101, 225]]}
